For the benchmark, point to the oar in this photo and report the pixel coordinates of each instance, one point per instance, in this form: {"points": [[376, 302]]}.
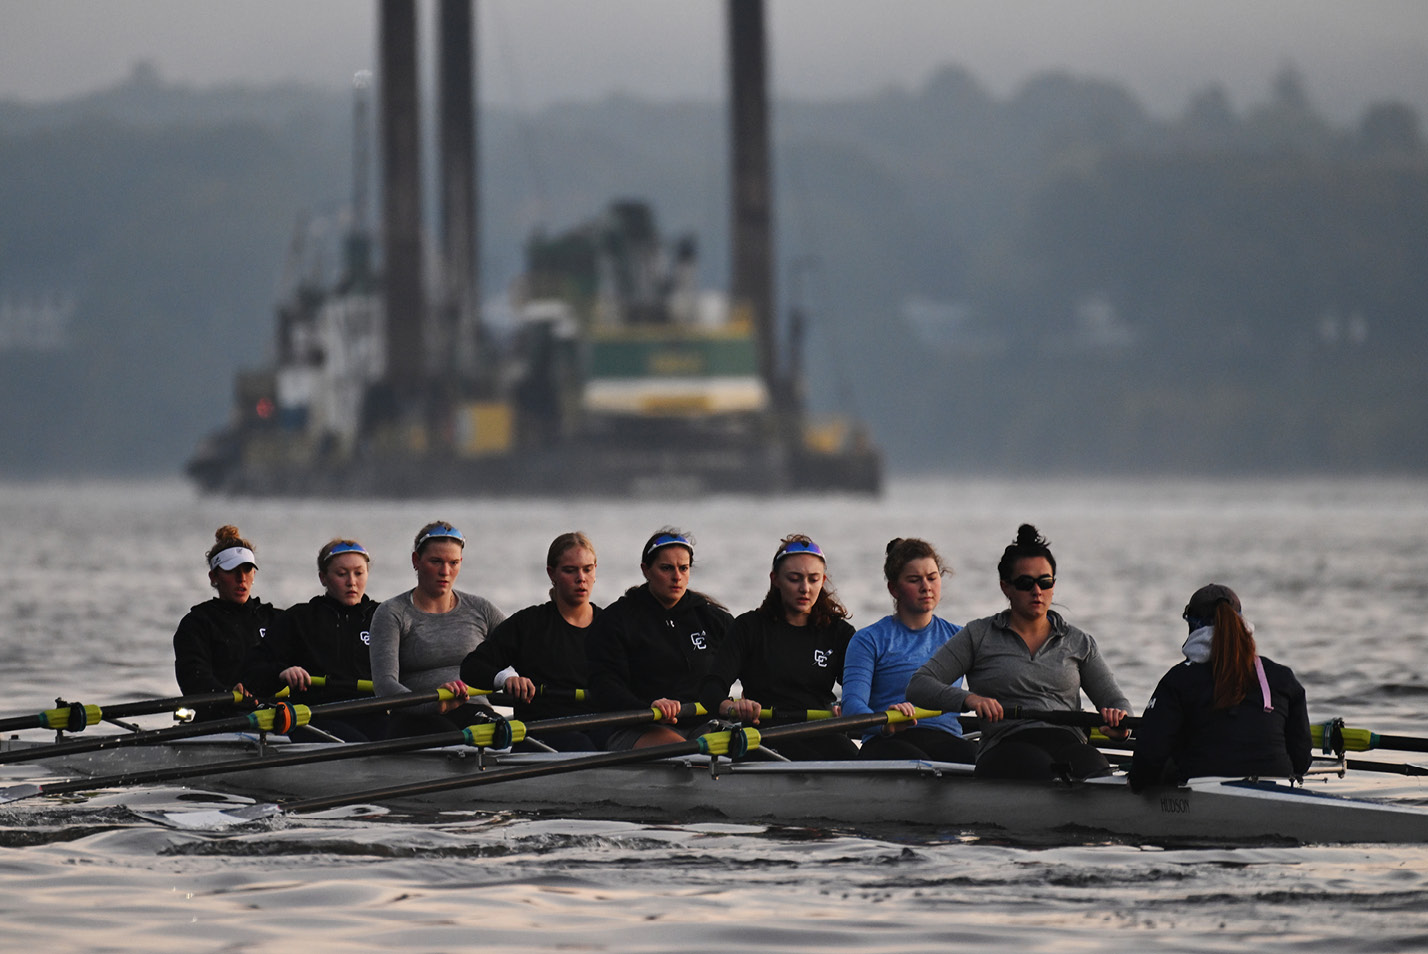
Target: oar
{"points": [[795, 715], [734, 742], [1396, 768], [1346, 740], [491, 734], [1071, 717], [1331, 736], [280, 719], [363, 686], [1334, 736], [76, 717]]}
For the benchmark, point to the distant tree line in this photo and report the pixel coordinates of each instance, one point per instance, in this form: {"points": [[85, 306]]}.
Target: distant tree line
{"points": [[1052, 281]]}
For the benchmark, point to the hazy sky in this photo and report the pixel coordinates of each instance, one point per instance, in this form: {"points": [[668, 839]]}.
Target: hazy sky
{"points": [[538, 51]]}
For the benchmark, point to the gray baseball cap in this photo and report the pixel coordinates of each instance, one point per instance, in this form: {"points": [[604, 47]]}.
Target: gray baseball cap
{"points": [[1202, 604]]}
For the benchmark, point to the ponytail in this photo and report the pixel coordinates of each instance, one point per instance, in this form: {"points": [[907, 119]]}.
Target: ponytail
{"points": [[1232, 656]]}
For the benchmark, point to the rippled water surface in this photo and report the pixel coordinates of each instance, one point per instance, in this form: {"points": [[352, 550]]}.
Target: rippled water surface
{"points": [[93, 579]]}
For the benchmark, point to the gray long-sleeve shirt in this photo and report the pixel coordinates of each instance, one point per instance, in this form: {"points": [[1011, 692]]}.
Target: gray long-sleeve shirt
{"points": [[998, 665], [414, 651]]}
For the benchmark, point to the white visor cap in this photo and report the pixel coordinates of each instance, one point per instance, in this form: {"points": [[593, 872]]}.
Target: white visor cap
{"points": [[231, 558]]}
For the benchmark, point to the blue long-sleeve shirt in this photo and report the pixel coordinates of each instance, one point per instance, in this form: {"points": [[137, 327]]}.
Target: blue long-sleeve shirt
{"points": [[882, 658]]}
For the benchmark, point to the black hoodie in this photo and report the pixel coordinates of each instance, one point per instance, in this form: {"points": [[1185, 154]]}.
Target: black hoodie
{"points": [[639, 651], [211, 643], [324, 636]]}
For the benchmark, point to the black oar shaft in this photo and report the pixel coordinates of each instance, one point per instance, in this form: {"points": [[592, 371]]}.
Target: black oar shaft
{"points": [[1397, 768], [125, 709], [1405, 743], [41, 720], [602, 760], [1068, 717], [76, 716], [329, 753], [239, 723]]}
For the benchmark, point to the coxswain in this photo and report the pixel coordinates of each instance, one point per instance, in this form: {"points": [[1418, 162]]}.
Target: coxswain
{"points": [[1226, 710]]}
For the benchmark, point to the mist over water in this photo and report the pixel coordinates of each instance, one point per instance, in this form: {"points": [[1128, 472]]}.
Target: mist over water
{"points": [[94, 577]]}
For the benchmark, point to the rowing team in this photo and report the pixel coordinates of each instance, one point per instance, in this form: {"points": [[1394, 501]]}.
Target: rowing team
{"points": [[1225, 711]]}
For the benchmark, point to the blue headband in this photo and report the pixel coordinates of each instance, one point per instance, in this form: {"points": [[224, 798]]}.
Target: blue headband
{"points": [[795, 547], [340, 548], [442, 531], [665, 540]]}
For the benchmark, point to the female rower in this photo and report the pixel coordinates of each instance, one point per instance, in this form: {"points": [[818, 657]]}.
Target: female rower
{"points": [[882, 657], [1226, 710], [653, 646], [420, 637], [1027, 656], [215, 636], [788, 653], [326, 636], [537, 655]]}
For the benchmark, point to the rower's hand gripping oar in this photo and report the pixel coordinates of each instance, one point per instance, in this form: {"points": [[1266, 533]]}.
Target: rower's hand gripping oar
{"points": [[732, 742], [497, 734], [1071, 717]]}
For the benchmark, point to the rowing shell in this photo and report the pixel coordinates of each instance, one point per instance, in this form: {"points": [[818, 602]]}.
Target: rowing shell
{"points": [[866, 795]]}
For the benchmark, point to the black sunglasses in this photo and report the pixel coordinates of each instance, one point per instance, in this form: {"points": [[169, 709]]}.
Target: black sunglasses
{"points": [[1025, 583]]}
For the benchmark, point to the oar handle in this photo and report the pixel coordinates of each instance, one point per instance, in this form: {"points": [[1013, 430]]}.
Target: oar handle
{"points": [[795, 715], [1072, 717], [364, 686]]}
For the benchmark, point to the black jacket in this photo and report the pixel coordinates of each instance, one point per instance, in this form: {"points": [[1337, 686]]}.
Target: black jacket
{"points": [[212, 640], [211, 643], [542, 646], [779, 665], [639, 651], [1182, 735], [324, 636]]}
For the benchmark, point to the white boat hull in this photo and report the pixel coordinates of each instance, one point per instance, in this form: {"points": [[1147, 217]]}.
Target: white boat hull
{"points": [[866, 795]]}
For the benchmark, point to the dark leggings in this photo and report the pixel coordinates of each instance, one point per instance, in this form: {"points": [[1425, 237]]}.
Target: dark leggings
{"points": [[923, 743], [1040, 753]]}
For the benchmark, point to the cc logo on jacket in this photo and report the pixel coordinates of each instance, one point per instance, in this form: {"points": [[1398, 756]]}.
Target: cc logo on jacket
{"points": [[699, 640]]}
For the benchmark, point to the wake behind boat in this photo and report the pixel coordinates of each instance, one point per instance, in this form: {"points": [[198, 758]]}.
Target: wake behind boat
{"points": [[868, 795]]}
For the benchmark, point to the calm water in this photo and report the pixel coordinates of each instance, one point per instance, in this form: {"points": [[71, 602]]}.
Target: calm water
{"points": [[93, 579]]}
